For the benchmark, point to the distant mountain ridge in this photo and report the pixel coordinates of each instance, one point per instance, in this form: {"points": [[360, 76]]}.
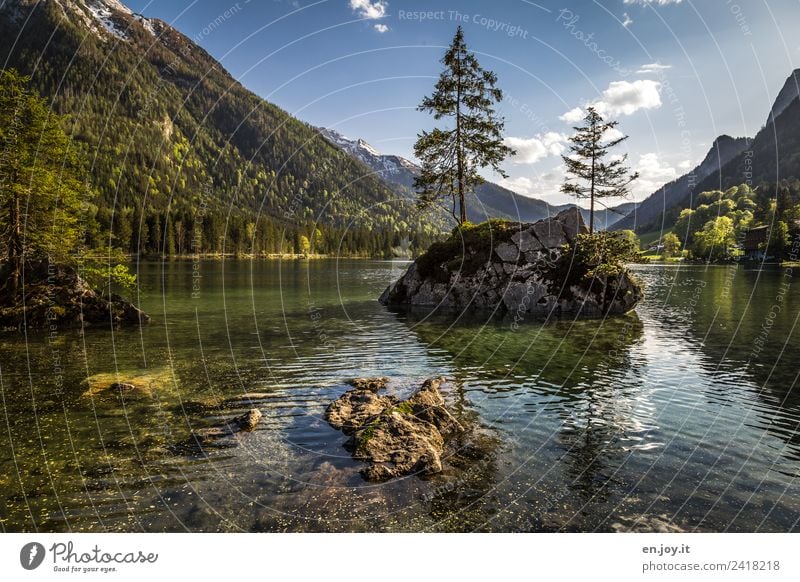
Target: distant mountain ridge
{"points": [[489, 201], [659, 207], [772, 155]]}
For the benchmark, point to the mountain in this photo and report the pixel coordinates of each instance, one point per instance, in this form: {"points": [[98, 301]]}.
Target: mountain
{"points": [[170, 137], [663, 205], [489, 201], [771, 156], [789, 92], [393, 169]]}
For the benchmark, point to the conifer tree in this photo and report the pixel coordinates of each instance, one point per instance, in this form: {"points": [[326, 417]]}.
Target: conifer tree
{"points": [[42, 192], [586, 163], [466, 94]]}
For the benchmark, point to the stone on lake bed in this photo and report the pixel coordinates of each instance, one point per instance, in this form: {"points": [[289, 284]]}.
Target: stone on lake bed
{"points": [[246, 422], [140, 383], [396, 438]]}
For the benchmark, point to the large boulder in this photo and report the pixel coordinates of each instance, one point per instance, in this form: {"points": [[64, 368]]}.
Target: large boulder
{"points": [[395, 437], [56, 295], [517, 268]]}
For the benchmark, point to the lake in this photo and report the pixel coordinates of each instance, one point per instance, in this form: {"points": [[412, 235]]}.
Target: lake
{"points": [[681, 416]]}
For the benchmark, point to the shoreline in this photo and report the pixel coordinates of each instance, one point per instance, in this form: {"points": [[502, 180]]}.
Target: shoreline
{"points": [[267, 257]]}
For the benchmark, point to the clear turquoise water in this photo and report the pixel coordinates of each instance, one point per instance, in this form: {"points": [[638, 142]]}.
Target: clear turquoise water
{"points": [[663, 416]]}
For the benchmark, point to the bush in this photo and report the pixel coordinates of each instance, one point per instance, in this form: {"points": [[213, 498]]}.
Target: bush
{"points": [[108, 274], [603, 254]]}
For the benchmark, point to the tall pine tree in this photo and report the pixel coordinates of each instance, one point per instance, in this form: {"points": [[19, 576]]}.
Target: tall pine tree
{"points": [[451, 158], [586, 162]]}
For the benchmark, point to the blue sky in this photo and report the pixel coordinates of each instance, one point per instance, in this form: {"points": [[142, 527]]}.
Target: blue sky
{"points": [[675, 73]]}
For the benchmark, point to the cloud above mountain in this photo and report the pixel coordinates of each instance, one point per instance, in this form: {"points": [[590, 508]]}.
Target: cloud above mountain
{"points": [[531, 150], [621, 98]]}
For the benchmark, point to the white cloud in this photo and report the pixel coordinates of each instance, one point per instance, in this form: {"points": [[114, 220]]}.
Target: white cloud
{"points": [[544, 185], [685, 165], [653, 174], [626, 98], [659, 2], [531, 150], [651, 68], [573, 115], [368, 9], [626, 20], [381, 28], [612, 134], [621, 98]]}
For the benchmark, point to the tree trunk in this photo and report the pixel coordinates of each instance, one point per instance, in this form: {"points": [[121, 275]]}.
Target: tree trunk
{"points": [[459, 148], [14, 247], [591, 201]]}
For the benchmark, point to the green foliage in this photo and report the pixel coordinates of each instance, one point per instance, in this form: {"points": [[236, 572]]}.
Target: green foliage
{"points": [[108, 278], [671, 244], [603, 254], [716, 240], [715, 229], [630, 236], [779, 242], [42, 193], [451, 158], [184, 159], [591, 176]]}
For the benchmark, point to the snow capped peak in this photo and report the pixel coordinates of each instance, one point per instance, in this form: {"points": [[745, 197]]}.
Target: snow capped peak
{"points": [[361, 144], [104, 17], [115, 5], [102, 11], [391, 168]]}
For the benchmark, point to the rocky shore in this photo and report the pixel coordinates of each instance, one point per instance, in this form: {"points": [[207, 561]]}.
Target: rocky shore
{"points": [[517, 268], [57, 296]]}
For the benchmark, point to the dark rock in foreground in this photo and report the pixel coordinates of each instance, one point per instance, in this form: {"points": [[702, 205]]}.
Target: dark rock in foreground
{"points": [[515, 268], [396, 437], [58, 296]]}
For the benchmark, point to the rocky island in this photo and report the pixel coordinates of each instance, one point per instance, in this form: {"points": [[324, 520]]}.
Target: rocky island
{"points": [[547, 268]]}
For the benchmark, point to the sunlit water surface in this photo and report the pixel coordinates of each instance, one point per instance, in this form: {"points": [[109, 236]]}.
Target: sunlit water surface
{"points": [[682, 415]]}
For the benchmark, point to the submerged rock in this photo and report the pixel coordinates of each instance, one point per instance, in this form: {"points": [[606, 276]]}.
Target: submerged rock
{"points": [[246, 422], [143, 383], [56, 295], [515, 268], [395, 437]]}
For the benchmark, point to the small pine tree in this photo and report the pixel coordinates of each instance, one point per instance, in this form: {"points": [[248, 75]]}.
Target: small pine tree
{"points": [[585, 162], [451, 158]]}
